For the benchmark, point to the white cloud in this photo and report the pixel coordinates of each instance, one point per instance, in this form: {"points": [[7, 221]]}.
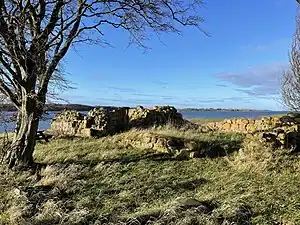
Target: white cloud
{"points": [[258, 81]]}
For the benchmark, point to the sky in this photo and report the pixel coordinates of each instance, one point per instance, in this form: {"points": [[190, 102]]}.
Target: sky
{"points": [[238, 65]]}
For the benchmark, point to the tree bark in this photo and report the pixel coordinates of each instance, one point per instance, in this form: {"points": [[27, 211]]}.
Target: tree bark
{"points": [[18, 122], [20, 154]]}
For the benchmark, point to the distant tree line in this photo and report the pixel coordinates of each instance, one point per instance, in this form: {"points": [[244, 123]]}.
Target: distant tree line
{"points": [[55, 107]]}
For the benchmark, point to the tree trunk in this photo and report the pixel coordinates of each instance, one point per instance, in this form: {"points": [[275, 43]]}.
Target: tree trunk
{"points": [[18, 122], [20, 155]]}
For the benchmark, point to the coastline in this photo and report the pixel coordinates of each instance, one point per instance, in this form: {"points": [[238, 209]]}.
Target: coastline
{"points": [[81, 107]]}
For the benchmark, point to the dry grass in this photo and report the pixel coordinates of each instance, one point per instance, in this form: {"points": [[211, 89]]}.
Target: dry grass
{"points": [[104, 181]]}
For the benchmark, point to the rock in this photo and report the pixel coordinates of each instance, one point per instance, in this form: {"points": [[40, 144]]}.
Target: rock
{"points": [[206, 129], [281, 137], [194, 154], [184, 154], [113, 120], [156, 116], [67, 123], [227, 121], [68, 115], [245, 121], [252, 122], [109, 121], [242, 127], [207, 207], [212, 125], [190, 203], [227, 127], [250, 128], [234, 127]]}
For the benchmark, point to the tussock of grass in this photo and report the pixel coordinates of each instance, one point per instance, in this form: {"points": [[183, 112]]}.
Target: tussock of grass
{"points": [[106, 181]]}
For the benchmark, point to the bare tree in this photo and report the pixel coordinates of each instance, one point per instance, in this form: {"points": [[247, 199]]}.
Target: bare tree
{"points": [[35, 35], [2, 110], [291, 78]]}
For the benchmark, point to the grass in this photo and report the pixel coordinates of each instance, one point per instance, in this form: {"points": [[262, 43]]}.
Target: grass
{"points": [[105, 181]]}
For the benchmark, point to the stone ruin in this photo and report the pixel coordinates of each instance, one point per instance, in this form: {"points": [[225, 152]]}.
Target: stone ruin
{"points": [[281, 132], [108, 121], [244, 125], [158, 115], [105, 121], [69, 123]]}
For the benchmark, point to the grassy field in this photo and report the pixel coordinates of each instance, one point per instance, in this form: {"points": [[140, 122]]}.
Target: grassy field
{"points": [[105, 181]]}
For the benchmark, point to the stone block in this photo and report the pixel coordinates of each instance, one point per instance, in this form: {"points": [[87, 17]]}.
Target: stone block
{"points": [[226, 127], [87, 132]]}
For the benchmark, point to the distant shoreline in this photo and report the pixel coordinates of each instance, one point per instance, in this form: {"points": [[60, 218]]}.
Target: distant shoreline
{"points": [[57, 107], [221, 110], [79, 107]]}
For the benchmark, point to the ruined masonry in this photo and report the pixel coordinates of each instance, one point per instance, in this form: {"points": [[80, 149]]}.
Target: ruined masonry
{"points": [[105, 121], [282, 132]]}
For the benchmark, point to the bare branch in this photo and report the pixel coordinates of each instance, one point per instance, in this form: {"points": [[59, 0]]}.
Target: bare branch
{"points": [[291, 78], [35, 35]]}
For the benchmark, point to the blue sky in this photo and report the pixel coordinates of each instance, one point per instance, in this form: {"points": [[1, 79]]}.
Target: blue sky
{"points": [[239, 66]]}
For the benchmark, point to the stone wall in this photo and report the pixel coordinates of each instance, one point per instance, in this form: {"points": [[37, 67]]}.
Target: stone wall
{"points": [[158, 115], [109, 121], [178, 147], [69, 123], [281, 132], [253, 125], [100, 121]]}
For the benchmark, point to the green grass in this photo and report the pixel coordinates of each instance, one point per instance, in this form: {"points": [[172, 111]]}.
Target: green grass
{"points": [[105, 181]]}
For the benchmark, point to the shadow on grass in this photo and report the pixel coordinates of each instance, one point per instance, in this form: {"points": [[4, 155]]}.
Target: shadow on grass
{"points": [[200, 148], [242, 215], [37, 195]]}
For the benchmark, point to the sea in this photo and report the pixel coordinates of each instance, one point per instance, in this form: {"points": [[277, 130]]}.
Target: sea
{"points": [[45, 122]]}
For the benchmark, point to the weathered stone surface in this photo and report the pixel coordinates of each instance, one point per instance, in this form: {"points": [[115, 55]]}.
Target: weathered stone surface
{"points": [[250, 125], [68, 116], [109, 121], [283, 132], [158, 115], [105, 121], [68, 123], [226, 126], [190, 202]]}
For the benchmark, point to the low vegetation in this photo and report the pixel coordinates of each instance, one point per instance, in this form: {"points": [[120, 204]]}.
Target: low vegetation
{"points": [[106, 181]]}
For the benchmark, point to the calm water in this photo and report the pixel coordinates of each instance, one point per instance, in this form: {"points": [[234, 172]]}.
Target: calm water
{"points": [[225, 115], [44, 124]]}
